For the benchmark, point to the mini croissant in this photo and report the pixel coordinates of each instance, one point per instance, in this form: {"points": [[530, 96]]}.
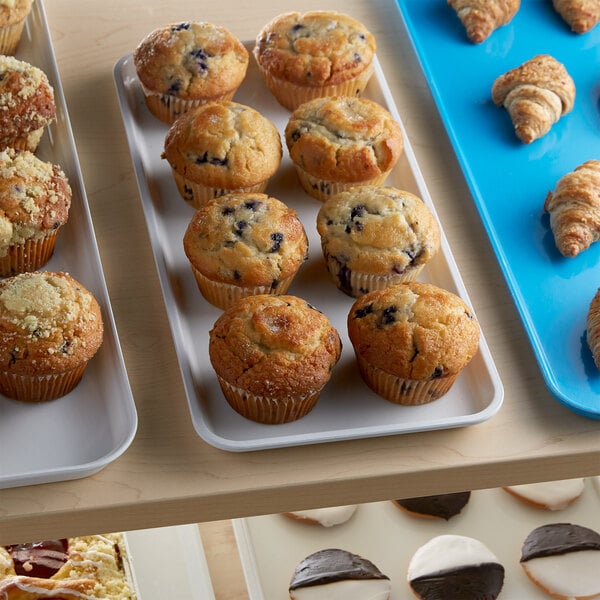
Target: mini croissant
{"points": [[482, 17], [581, 15], [574, 209], [593, 327], [536, 94]]}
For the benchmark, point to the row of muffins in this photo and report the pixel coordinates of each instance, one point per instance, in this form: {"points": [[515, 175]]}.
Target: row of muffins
{"points": [[50, 325], [273, 353]]}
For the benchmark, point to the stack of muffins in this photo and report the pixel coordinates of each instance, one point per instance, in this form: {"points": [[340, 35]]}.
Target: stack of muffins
{"points": [[50, 325], [273, 352]]}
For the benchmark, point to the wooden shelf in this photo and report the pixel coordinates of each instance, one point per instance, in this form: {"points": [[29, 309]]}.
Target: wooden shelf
{"points": [[169, 475]]}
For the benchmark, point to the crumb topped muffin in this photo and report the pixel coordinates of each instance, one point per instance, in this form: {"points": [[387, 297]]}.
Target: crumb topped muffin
{"points": [[272, 356], [336, 143], [50, 327], [26, 104], [318, 53], [220, 148], [13, 14], [375, 236], [243, 244], [35, 198], [183, 65], [412, 340]]}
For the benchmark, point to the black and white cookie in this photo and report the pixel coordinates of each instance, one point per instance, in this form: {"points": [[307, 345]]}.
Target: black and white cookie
{"points": [[440, 506], [563, 560], [335, 574], [456, 567]]}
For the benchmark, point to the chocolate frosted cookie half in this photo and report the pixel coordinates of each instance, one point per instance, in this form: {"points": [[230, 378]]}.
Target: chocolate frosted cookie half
{"points": [[352, 576]]}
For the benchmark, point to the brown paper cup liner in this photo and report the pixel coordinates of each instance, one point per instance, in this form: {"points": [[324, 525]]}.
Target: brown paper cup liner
{"points": [[291, 95], [223, 295], [29, 256], [167, 108], [270, 411], [356, 283], [323, 189], [399, 390], [10, 36], [197, 195], [40, 388]]}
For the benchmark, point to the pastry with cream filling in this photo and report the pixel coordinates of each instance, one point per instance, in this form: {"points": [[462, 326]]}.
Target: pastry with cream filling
{"points": [[80, 568]]}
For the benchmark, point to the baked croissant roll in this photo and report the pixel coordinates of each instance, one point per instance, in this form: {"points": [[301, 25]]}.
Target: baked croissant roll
{"points": [[481, 17], [593, 328], [535, 94], [574, 209], [581, 15]]}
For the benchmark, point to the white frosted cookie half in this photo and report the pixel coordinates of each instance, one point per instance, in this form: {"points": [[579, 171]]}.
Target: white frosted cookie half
{"points": [[549, 495], [335, 574], [452, 566], [563, 560], [326, 517]]}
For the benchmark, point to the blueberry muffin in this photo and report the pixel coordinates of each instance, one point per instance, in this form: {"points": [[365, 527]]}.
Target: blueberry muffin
{"points": [[220, 148], [243, 244], [339, 142], [13, 14], [374, 236], [35, 198], [50, 327], [412, 340], [26, 104], [272, 356], [319, 53], [183, 65]]}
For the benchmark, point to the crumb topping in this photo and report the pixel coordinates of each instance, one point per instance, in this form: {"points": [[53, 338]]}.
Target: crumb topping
{"points": [[35, 198]]}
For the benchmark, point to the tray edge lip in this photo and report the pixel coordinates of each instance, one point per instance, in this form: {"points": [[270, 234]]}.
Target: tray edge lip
{"points": [[232, 445]]}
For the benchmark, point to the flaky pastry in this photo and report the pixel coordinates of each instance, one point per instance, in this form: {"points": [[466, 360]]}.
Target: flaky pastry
{"points": [[536, 95], [574, 209], [580, 15], [481, 17]]}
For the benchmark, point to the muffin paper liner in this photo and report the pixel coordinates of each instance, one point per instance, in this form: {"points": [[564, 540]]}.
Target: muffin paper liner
{"points": [[197, 194], [292, 95], [270, 411], [223, 295], [10, 36], [30, 256], [40, 388], [167, 107], [356, 283], [399, 390], [322, 189]]}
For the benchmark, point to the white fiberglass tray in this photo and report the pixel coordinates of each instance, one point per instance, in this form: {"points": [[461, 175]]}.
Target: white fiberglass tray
{"points": [[169, 562], [81, 433], [347, 409], [271, 546]]}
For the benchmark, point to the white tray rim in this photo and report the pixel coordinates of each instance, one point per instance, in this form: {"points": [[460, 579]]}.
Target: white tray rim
{"points": [[82, 469], [175, 319]]}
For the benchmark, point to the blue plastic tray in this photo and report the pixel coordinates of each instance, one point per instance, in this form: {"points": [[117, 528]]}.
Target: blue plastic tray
{"points": [[509, 180]]}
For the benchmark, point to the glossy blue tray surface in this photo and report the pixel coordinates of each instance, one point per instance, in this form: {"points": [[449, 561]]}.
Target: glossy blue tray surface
{"points": [[509, 180]]}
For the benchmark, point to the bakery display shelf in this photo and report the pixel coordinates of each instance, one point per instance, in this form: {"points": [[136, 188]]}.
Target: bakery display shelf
{"points": [[271, 546], [79, 434], [509, 180], [347, 409], [169, 562]]}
